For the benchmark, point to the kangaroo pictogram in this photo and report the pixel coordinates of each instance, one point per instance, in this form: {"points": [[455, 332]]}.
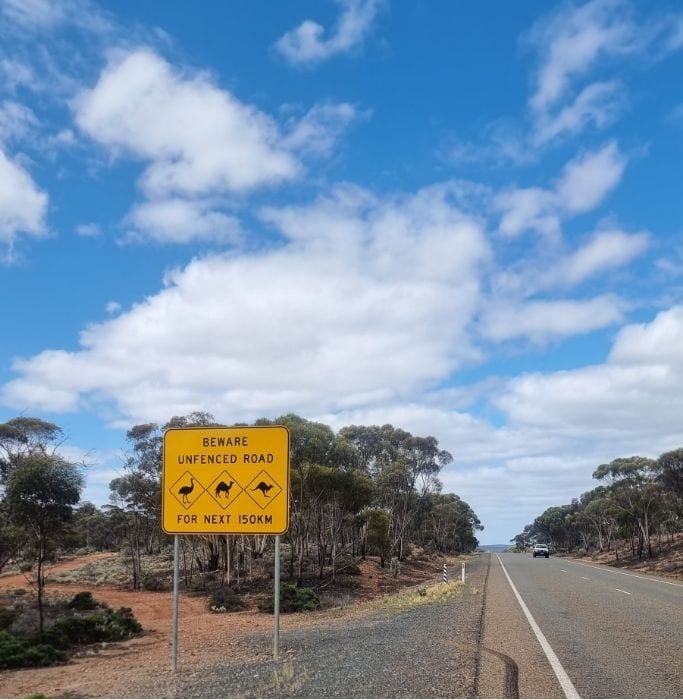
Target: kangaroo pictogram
{"points": [[263, 487]]}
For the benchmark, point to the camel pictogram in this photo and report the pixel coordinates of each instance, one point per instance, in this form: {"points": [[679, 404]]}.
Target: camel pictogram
{"points": [[222, 487]]}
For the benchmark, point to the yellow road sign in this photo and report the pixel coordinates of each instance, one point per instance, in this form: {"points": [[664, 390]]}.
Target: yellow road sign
{"points": [[225, 480]]}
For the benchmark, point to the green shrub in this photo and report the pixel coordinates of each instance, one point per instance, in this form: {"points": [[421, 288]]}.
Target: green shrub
{"points": [[17, 653], [123, 622], [107, 626], [293, 599], [7, 617], [76, 630], [152, 582], [224, 599], [83, 601]]}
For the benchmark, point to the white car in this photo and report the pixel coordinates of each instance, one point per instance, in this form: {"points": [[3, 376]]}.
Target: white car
{"points": [[540, 550]]}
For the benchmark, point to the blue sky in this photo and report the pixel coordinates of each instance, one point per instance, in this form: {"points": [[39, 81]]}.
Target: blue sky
{"points": [[464, 219]]}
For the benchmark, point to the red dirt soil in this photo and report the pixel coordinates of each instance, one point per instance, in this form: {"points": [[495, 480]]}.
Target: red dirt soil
{"points": [[97, 672]]}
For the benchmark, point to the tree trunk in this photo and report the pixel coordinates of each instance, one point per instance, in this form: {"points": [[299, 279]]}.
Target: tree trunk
{"points": [[41, 582]]}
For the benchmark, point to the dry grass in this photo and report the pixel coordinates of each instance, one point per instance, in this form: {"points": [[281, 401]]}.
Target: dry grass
{"points": [[425, 595]]}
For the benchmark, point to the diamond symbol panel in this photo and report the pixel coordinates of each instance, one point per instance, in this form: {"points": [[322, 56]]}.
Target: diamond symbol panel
{"points": [[187, 490], [224, 489], [262, 489]]}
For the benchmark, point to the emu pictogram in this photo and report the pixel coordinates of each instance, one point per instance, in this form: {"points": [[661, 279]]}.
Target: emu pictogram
{"points": [[185, 491], [263, 487], [222, 487]]}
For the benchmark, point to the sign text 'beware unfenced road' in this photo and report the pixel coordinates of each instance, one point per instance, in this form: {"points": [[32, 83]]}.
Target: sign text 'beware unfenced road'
{"points": [[226, 480]]}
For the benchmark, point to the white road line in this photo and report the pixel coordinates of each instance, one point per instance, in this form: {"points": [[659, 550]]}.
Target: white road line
{"points": [[620, 591], [565, 570], [585, 578], [562, 677], [610, 569]]}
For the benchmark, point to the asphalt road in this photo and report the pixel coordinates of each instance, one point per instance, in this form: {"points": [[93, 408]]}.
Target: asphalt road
{"points": [[615, 634]]}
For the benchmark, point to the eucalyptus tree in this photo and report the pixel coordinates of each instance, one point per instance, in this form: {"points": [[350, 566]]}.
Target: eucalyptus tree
{"points": [[670, 467], [376, 539], [635, 491], [451, 524], [405, 469], [137, 492], [19, 437], [314, 450], [555, 526], [40, 494], [25, 435]]}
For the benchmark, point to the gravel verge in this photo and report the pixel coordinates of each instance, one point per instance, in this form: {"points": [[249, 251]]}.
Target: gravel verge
{"points": [[427, 651]]}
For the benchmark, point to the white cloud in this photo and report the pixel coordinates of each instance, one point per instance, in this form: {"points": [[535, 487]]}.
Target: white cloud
{"points": [[598, 103], [90, 230], [576, 40], [585, 181], [37, 15], [530, 208], [502, 142], [306, 45], [15, 73], [608, 249], [573, 38], [657, 342], [549, 320], [16, 121], [22, 204], [378, 311], [181, 221], [199, 141], [633, 397], [198, 138], [317, 132], [42, 13]]}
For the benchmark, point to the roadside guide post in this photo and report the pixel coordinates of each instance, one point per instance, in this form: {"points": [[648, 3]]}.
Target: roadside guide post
{"points": [[445, 574], [225, 481], [462, 574]]}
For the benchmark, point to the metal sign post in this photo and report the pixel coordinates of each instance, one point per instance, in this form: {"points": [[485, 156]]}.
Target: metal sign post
{"points": [[176, 578], [276, 601]]}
